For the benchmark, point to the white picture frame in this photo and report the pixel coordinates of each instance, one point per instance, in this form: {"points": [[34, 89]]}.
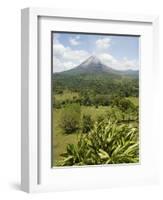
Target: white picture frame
{"points": [[36, 172]]}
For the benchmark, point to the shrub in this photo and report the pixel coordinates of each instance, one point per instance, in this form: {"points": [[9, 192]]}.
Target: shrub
{"points": [[56, 103], [86, 101], [103, 100], [123, 104], [123, 109], [107, 143], [70, 119], [87, 123]]}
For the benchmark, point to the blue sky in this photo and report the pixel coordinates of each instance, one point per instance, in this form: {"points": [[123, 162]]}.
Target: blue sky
{"points": [[118, 52]]}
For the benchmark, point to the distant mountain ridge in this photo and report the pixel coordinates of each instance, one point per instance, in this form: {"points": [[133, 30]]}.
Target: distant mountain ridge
{"points": [[93, 65]]}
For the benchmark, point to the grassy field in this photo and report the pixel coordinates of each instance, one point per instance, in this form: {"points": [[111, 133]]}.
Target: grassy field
{"points": [[60, 139]]}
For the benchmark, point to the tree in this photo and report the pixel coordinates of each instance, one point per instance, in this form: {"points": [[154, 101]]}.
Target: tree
{"points": [[70, 119]]}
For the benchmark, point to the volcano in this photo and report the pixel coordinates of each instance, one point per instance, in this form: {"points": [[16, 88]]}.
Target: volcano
{"points": [[93, 65]]}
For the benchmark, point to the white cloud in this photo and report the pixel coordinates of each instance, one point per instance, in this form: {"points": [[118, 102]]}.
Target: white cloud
{"points": [[65, 58], [106, 58], [103, 44], [58, 49], [129, 64], [101, 51], [57, 65], [75, 41], [122, 64], [75, 55]]}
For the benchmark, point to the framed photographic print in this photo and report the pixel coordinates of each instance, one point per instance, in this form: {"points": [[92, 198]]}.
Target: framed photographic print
{"points": [[88, 83]]}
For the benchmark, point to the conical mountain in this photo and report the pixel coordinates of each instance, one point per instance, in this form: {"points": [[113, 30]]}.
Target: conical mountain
{"points": [[91, 65]]}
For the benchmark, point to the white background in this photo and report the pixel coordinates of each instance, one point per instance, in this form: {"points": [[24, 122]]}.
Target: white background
{"points": [[10, 97]]}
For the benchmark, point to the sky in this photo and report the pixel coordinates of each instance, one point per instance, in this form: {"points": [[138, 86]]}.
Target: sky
{"points": [[115, 51]]}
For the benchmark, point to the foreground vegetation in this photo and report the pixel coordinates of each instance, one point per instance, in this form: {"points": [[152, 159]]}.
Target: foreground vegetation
{"points": [[95, 120], [106, 143]]}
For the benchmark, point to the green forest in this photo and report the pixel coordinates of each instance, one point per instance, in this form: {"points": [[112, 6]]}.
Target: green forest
{"points": [[95, 118]]}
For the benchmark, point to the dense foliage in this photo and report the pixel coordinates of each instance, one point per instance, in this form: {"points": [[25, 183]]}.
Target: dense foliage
{"points": [[123, 86], [107, 143], [97, 90]]}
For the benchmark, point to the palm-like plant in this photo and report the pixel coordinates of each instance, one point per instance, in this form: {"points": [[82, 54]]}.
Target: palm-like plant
{"points": [[107, 143]]}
